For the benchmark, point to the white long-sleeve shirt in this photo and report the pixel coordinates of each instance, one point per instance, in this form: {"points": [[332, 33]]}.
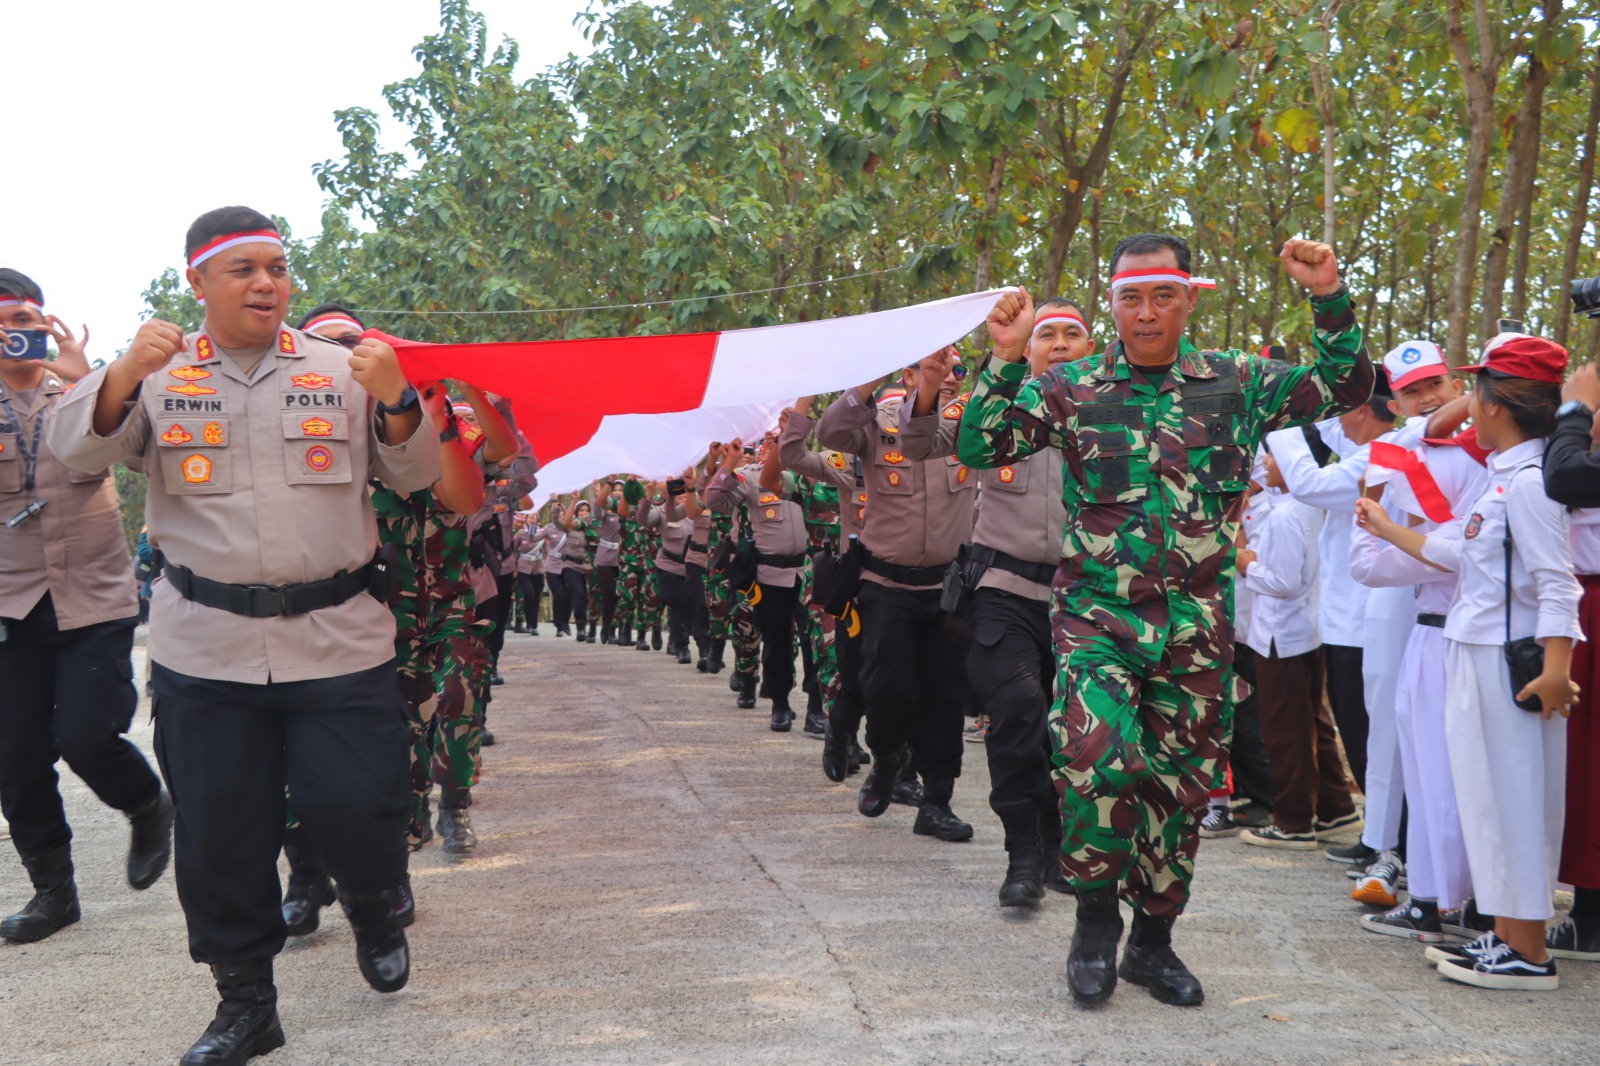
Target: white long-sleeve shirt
{"points": [[1283, 580], [1544, 592]]}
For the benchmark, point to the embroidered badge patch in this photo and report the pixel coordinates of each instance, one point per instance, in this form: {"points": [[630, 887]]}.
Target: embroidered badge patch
{"points": [[772, 512], [189, 373], [961, 476], [197, 470], [894, 457], [953, 411], [319, 458], [835, 460], [894, 477], [768, 497], [1008, 474], [213, 433], [311, 381], [189, 388], [203, 350], [286, 342], [1474, 526], [177, 435], [317, 427]]}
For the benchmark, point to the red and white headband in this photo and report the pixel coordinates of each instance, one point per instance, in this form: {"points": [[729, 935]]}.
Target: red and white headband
{"points": [[1059, 314], [1173, 274], [231, 240], [334, 319], [8, 300]]}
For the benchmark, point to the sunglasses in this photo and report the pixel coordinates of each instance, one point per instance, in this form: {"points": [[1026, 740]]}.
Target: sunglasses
{"points": [[349, 340], [959, 371]]}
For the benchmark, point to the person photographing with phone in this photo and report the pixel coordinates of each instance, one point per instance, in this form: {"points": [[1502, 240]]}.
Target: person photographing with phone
{"points": [[68, 610]]}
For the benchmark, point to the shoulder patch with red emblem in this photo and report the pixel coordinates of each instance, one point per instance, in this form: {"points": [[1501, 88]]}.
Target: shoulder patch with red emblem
{"points": [[286, 342], [953, 412], [203, 349], [834, 459]]}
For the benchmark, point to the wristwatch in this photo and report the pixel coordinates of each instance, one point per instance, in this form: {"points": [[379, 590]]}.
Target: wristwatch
{"points": [[1572, 406], [451, 430], [408, 402]]}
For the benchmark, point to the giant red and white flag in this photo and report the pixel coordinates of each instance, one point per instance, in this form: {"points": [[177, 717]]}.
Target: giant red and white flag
{"points": [[670, 395]]}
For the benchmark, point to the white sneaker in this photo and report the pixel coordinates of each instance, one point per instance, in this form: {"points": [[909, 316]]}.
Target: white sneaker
{"points": [[1378, 886]]}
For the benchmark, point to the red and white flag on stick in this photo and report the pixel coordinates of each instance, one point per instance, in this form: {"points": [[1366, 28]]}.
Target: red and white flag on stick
{"points": [[566, 393]]}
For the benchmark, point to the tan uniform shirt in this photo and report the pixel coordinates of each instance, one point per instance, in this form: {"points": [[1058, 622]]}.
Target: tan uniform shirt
{"points": [[699, 541], [256, 478], [922, 510], [75, 548], [1020, 513], [675, 527], [777, 524]]}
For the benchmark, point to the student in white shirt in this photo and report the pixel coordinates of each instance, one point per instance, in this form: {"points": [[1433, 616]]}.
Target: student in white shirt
{"points": [[1302, 745], [1450, 478], [1509, 765]]}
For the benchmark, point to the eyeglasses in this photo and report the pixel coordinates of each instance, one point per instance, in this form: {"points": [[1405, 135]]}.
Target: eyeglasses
{"points": [[349, 340]]}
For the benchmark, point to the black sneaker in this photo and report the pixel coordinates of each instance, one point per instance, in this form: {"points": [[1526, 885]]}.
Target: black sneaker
{"points": [[1251, 815], [1218, 822], [1574, 938], [1468, 922], [1335, 826], [1414, 920], [1357, 854], [1270, 836], [1499, 966], [1437, 953]]}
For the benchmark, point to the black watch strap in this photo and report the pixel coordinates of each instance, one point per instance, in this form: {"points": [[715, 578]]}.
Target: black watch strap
{"points": [[408, 402]]}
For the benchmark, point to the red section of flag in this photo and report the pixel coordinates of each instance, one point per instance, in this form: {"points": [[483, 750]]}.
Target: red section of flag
{"points": [[1435, 507], [560, 390]]}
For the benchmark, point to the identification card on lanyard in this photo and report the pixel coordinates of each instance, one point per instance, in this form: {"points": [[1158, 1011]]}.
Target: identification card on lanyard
{"points": [[30, 452]]}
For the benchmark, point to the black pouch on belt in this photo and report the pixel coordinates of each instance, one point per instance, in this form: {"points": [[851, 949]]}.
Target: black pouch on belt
{"points": [[954, 593], [846, 581], [383, 576]]}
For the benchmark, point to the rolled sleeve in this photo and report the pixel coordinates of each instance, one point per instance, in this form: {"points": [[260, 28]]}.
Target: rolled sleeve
{"points": [[410, 466], [70, 432], [844, 424]]}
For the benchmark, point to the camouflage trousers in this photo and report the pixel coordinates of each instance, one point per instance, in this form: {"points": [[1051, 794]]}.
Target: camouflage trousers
{"points": [[819, 633], [733, 619], [1136, 753], [443, 664], [628, 592], [650, 605]]}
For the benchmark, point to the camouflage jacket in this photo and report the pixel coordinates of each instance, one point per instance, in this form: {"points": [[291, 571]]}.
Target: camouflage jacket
{"points": [[433, 544], [1155, 472]]}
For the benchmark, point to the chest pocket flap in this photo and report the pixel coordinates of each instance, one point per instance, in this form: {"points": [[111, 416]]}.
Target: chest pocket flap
{"points": [[1112, 447], [1213, 410], [195, 452], [317, 446]]}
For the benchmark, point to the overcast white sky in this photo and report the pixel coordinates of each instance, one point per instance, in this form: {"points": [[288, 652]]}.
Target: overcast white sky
{"points": [[128, 120]]}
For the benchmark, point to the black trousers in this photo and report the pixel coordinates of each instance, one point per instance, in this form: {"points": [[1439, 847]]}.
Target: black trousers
{"points": [[67, 695], [914, 678], [560, 606], [532, 588], [698, 606], [775, 618], [674, 590], [500, 611], [607, 577], [1252, 770], [1347, 695], [227, 750], [575, 598], [1011, 666], [848, 710]]}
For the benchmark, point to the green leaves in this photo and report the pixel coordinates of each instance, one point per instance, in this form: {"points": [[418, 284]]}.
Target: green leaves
{"points": [[1299, 128]]}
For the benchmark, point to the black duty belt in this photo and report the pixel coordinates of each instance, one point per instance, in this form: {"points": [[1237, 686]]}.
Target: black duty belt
{"points": [[580, 559], [905, 575], [268, 601], [995, 559], [1435, 620], [782, 562], [698, 548], [680, 557]]}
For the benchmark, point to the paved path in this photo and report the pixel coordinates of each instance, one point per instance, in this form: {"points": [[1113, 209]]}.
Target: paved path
{"points": [[663, 880]]}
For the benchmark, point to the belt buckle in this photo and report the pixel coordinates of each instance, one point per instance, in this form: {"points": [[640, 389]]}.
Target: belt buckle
{"points": [[266, 601]]}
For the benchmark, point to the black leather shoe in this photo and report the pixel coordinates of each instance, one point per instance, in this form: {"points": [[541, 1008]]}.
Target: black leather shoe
{"points": [[642, 645], [582, 635], [54, 905], [880, 785], [782, 716], [486, 738], [405, 904], [835, 756], [816, 724], [655, 638], [684, 658], [938, 820], [747, 691], [1092, 962], [496, 679], [455, 831], [1024, 883], [592, 628], [381, 949], [309, 888], [150, 848], [1148, 961], [246, 1023]]}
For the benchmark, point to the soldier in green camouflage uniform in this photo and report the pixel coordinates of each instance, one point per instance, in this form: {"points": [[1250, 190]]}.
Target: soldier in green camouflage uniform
{"points": [[732, 616], [821, 503], [630, 577], [1158, 439]]}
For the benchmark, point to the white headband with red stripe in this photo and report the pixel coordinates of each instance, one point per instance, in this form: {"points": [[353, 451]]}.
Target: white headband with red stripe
{"points": [[332, 319], [231, 240], [1173, 274], [7, 300], [1059, 314]]}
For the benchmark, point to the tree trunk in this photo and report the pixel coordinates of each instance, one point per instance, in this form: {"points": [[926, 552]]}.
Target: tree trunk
{"points": [[1580, 205], [1094, 260], [986, 242], [1481, 74]]}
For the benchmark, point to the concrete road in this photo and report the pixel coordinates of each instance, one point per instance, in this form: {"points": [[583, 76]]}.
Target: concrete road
{"points": [[663, 880]]}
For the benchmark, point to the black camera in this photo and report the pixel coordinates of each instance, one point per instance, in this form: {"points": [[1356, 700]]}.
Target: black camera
{"points": [[677, 487], [1586, 297]]}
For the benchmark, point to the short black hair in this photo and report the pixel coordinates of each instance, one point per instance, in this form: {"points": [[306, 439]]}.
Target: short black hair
{"points": [[1062, 301], [1379, 406], [221, 222], [329, 309], [16, 283], [1152, 244]]}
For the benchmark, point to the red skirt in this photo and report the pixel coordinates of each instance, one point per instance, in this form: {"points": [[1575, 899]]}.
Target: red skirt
{"points": [[1580, 841]]}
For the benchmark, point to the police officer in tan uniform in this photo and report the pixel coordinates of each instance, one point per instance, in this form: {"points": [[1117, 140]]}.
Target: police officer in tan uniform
{"points": [[271, 647], [913, 669], [68, 608], [669, 515], [1015, 550]]}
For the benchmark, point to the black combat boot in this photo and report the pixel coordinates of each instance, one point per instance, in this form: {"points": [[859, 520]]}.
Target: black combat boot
{"points": [[642, 645], [859, 756], [405, 904], [715, 664], [309, 888], [592, 628], [782, 716], [1024, 883], [246, 1024], [150, 848], [655, 638], [1055, 878], [1148, 960], [606, 634], [747, 691], [878, 788], [54, 905], [381, 949], [935, 818], [625, 636], [684, 658], [816, 721], [703, 663], [908, 790], [455, 824], [835, 755], [1092, 962]]}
